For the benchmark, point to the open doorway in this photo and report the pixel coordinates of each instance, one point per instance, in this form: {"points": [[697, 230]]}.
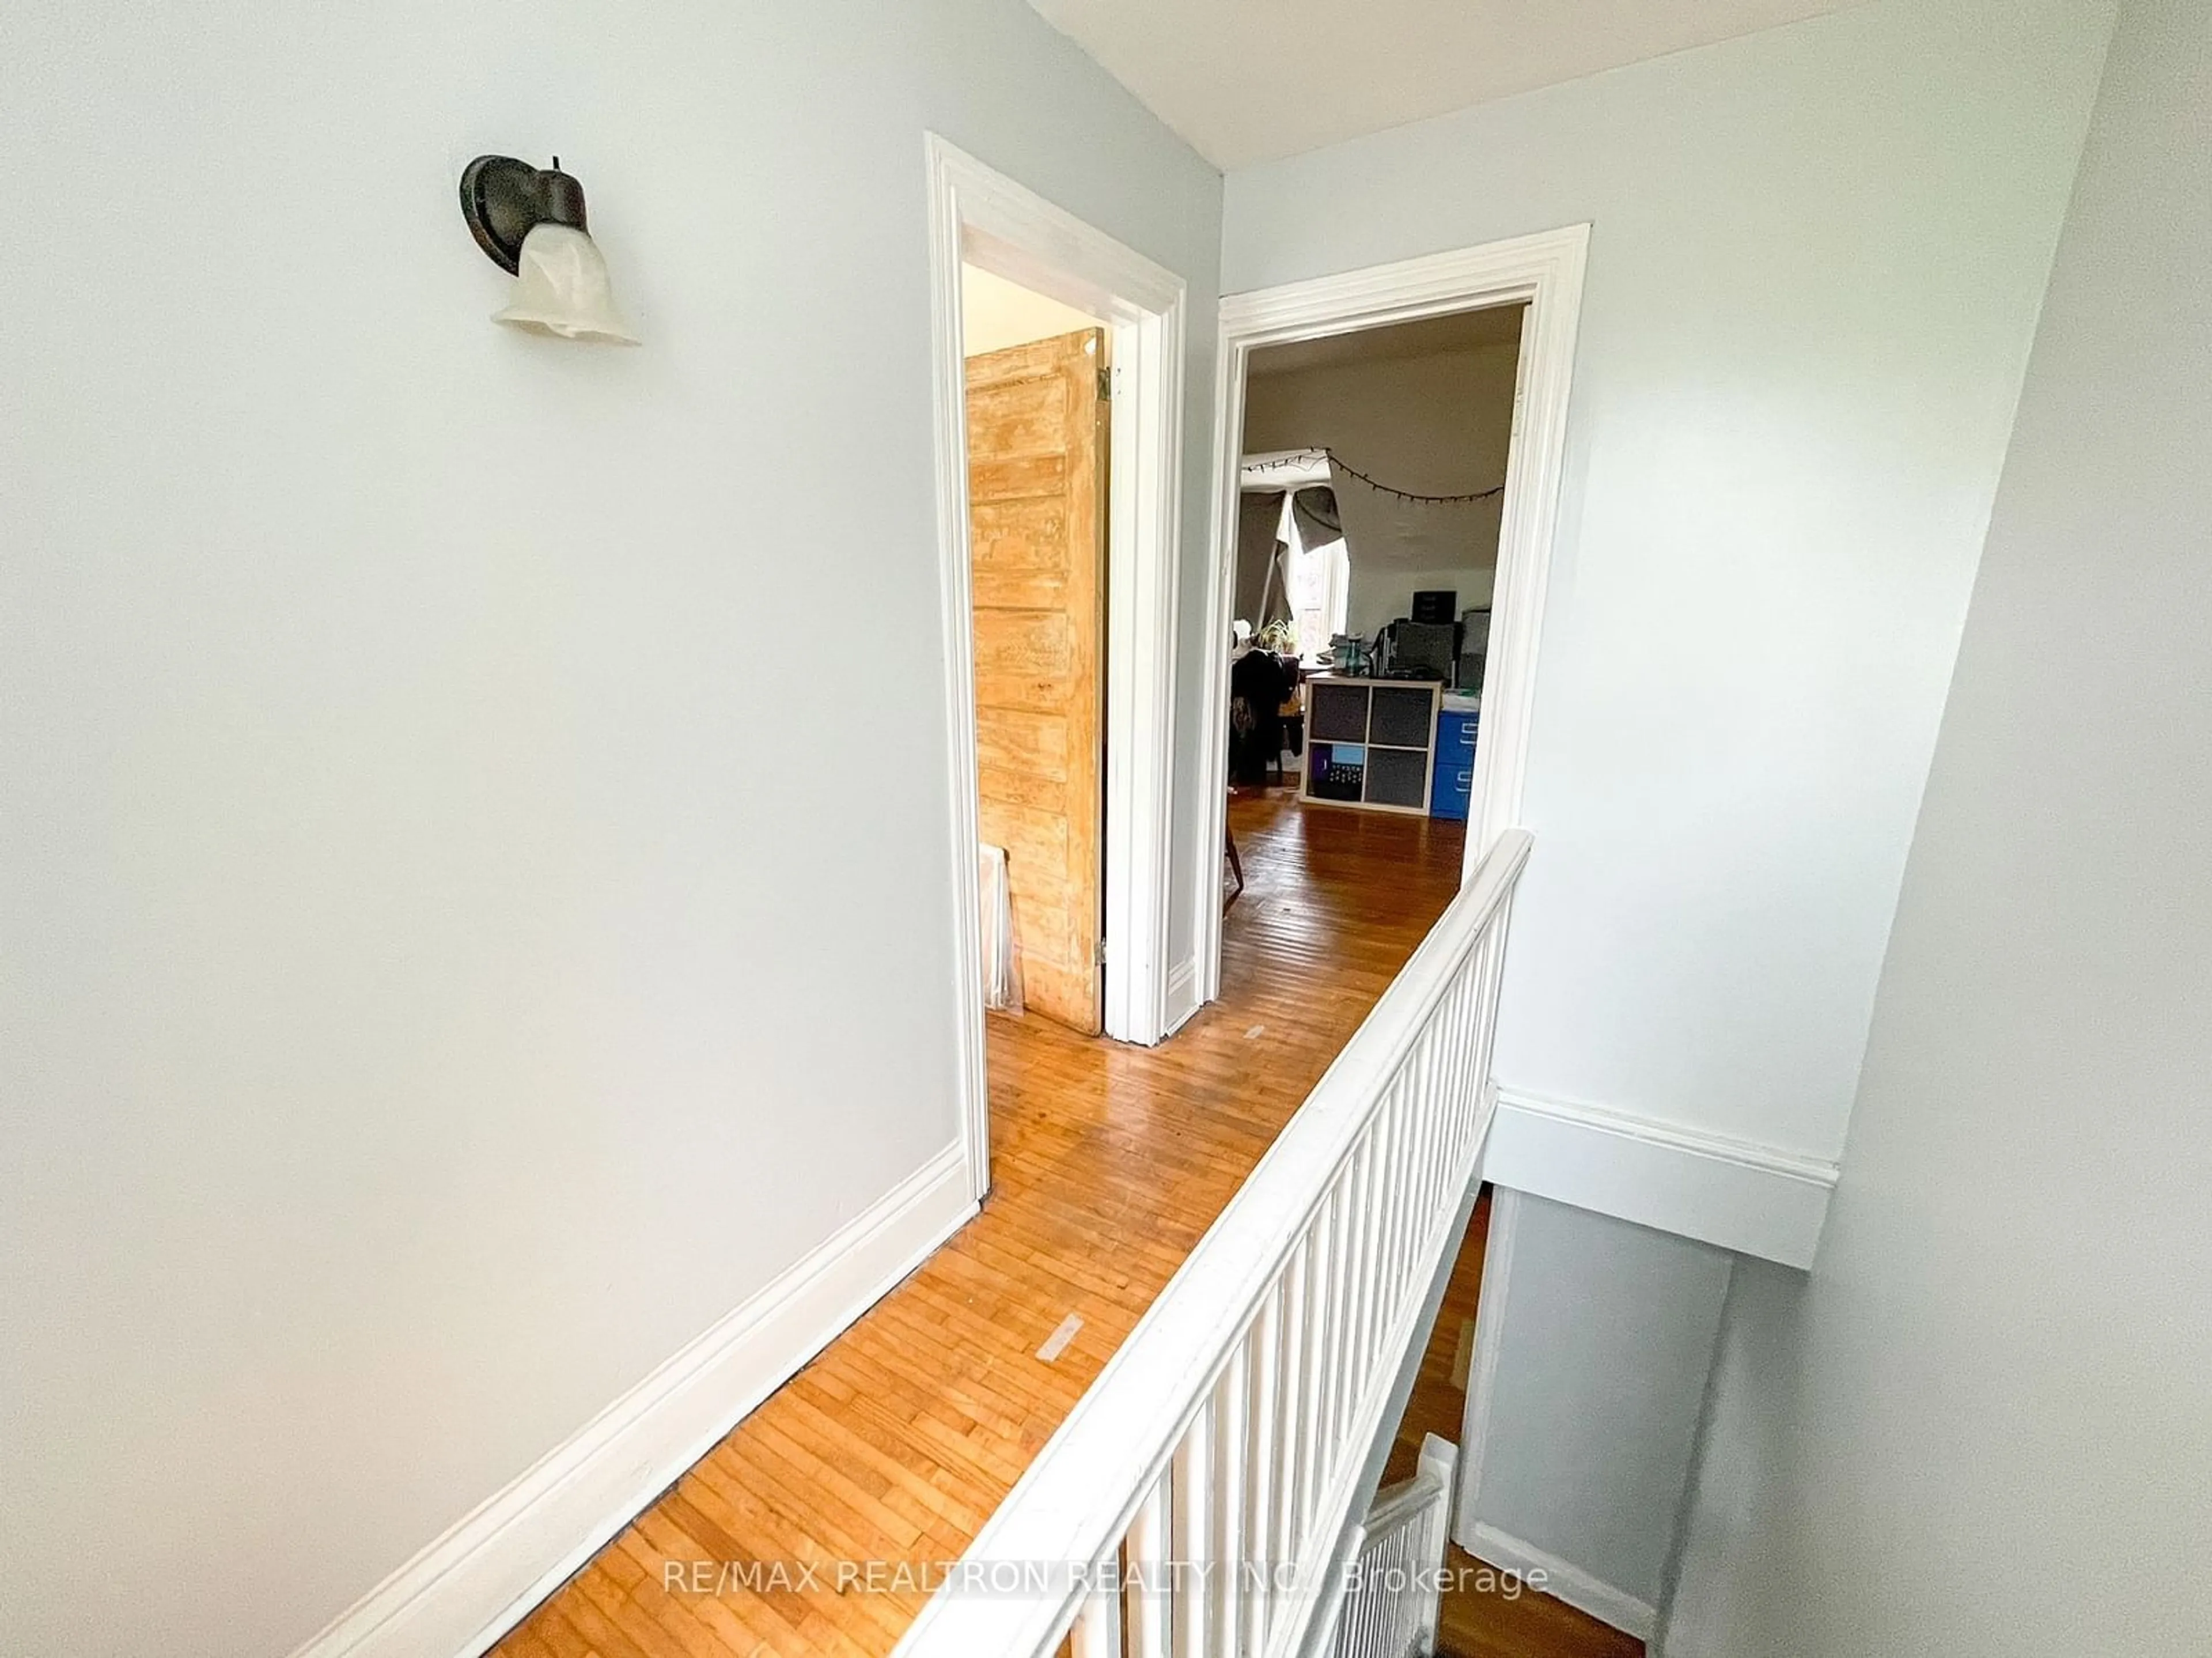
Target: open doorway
{"points": [[1395, 611], [1370, 482], [1058, 390]]}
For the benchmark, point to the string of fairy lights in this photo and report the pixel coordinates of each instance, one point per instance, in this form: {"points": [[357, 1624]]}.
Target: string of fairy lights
{"points": [[1336, 464]]}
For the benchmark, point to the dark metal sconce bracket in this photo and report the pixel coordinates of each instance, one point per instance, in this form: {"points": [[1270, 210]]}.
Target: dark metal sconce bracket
{"points": [[504, 199]]}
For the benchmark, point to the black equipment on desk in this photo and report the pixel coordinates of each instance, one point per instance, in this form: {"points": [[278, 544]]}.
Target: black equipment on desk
{"points": [[1423, 650]]}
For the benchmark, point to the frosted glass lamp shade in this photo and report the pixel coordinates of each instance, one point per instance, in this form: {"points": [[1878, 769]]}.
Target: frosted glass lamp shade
{"points": [[560, 287]]}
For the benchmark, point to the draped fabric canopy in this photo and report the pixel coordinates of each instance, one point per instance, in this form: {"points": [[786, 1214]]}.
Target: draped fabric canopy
{"points": [[1260, 551], [1314, 510], [1307, 476]]}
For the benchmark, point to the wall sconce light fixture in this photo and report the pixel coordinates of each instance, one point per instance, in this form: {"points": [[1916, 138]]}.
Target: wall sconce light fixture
{"points": [[530, 221]]}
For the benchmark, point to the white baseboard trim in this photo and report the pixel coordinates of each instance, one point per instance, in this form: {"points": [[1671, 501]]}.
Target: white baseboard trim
{"points": [[1564, 1582], [1182, 996], [461, 1594], [1753, 1199]]}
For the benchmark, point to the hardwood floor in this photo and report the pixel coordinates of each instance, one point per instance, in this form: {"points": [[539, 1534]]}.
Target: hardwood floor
{"points": [[890, 1450], [1496, 1624]]}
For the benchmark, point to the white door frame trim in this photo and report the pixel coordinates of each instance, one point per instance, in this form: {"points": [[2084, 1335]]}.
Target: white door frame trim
{"points": [[1545, 272], [981, 216]]}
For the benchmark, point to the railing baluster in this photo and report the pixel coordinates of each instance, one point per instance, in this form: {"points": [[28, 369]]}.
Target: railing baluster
{"points": [[1313, 1358], [1403, 1182], [1492, 954], [1420, 1208], [1099, 1630], [1371, 1216], [1383, 1290], [1418, 1168], [1299, 1349], [1458, 1037], [1262, 1506], [1459, 1097], [1232, 1457], [1344, 1233], [1148, 1553], [1429, 1151], [1401, 1191], [1324, 1286], [1497, 940], [1396, 1123], [1476, 999], [1421, 1150], [1292, 1333], [1457, 1032], [1354, 1357], [1386, 1208], [1194, 1549], [1472, 995]]}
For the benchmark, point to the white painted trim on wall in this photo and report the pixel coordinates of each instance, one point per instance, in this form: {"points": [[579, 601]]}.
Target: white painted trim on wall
{"points": [[1145, 553], [980, 216], [1546, 273], [948, 392], [1182, 995], [1564, 1580], [461, 1594], [1751, 1199]]}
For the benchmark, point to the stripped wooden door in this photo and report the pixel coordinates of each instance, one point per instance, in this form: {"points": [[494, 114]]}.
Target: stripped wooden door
{"points": [[1036, 477]]}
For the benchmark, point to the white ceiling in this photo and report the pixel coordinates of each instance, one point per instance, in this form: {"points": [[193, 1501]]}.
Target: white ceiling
{"points": [[1246, 80], [995, 314], [1458, 330]]}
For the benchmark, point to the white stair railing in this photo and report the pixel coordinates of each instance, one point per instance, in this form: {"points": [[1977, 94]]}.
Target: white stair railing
{"points": [[1389, 1600], [1192, 1504]]}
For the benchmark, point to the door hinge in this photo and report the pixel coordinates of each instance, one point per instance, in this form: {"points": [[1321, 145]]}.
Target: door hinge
{"points": [[1102, 953], [1105, 386]]}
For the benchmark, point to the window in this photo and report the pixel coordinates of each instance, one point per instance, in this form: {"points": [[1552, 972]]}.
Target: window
{"points": [[1317, 582]]}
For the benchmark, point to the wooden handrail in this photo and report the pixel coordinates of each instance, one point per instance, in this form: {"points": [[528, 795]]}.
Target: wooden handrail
{"points": [[1231, 1423]]}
